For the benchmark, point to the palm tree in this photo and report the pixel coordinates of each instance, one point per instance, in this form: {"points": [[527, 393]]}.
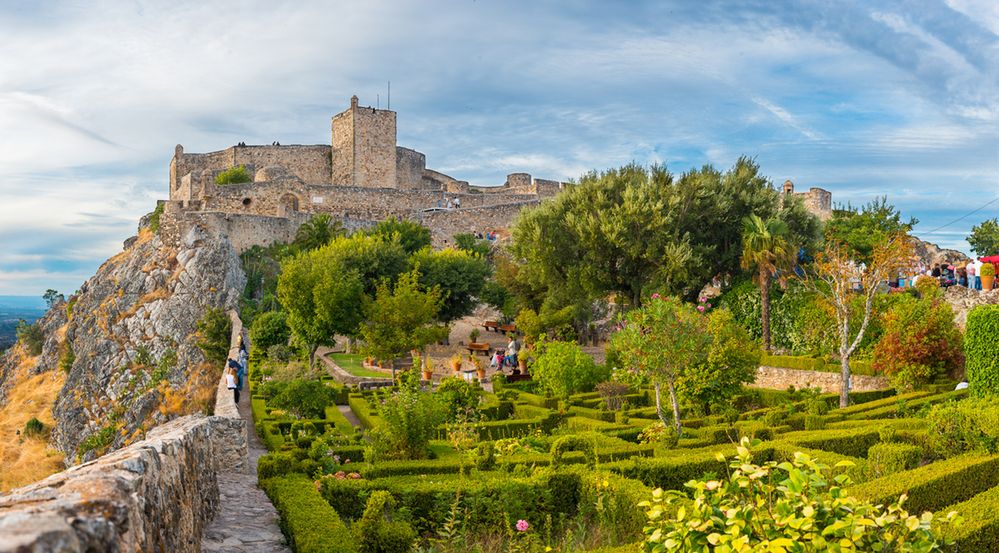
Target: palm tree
{"points": [[766, 248], [318, 231]]}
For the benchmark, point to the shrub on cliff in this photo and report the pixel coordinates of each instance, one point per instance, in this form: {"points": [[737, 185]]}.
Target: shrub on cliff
{"points": [[214, 334], [412, 236], [30, 336], [234, 175]]}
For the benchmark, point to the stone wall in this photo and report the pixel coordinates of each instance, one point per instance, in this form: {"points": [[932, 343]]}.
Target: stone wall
{"points": [[445, 224], [779, 379], [409, 168], [311, 163], [364, 147], [155, 495]]}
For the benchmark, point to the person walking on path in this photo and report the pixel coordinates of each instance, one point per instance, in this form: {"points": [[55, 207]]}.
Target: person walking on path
{"points": [[511, 352], [230, 382], [244, 368]]}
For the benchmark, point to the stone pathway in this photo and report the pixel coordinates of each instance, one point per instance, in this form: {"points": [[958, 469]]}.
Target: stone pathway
{"points": [[350, 416], [247, 521]]}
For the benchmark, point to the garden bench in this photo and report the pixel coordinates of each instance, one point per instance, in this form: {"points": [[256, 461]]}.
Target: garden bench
{"points": [[474, 348], [508, 328], [517, 377], [491, 325]]}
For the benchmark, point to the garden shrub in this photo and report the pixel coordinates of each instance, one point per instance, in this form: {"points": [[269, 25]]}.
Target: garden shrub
{"points": [[377, 532], [934, 486], [409, 419], [275, 464], [572, 442], [967, 425], [307, 520], [889, 458], [304, 398], [920, 343], [459, 397], [563, 368], [788, 504], [981, 350]]}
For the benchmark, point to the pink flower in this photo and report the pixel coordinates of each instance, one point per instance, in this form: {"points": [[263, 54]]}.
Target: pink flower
{"points": [[522, 525], [702, 299], [700, 308], [655, 297], [709, 306]]}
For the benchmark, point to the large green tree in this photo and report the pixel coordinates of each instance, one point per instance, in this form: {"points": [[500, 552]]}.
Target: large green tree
{"points": [[984, 238], [629, 230], [862, 229], [732, 361], [767, 252], [323, 290], [412, 236], [401, 318], [459, 274]]}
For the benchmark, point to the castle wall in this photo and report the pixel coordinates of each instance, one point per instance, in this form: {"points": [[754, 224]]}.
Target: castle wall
{"points": [[409, 168], [444, 225], [312, 164], [342, 130]]}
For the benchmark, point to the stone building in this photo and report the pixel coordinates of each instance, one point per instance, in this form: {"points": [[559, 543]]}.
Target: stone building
{"points": [[362, 177], [817, 200]]}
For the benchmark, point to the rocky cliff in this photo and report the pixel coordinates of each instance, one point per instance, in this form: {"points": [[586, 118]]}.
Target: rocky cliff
{"points": [[932, 254], [127, 342]]}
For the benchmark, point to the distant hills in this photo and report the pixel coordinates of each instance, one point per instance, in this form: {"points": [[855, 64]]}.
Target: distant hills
{"points": [[15, 308]]}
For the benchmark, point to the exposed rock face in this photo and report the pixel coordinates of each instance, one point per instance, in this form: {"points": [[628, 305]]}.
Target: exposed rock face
{"points": [[963, 300], [932, 254], [132, 326]]}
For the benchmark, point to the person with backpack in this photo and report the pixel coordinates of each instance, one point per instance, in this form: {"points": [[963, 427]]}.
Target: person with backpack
{"points": [[230, 381]]}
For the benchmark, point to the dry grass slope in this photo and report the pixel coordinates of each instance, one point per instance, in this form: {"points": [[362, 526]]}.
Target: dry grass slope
{"points": [[25, 460]]}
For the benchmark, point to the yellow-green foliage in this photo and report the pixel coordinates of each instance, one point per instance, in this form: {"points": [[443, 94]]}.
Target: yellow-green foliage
{"points": [[234, 175]]}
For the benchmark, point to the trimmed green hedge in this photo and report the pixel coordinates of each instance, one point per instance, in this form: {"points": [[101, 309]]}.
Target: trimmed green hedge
{"points": [[910, 405], [308, 522], [889, 458], [980, 529], [850, 441], [362, 410], [934, 486], [981, 349]]}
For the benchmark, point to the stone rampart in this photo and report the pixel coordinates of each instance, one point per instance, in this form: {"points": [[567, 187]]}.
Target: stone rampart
{"points": [[311, 163], [155, 495], [445, 224], [779, 379]]}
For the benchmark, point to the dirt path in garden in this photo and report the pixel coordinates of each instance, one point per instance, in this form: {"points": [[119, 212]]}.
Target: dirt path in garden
{"points": [[247, 521]]}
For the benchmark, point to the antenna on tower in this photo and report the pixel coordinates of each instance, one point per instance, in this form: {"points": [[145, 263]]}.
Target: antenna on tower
{"points": [[389, 95], [378, 101]]}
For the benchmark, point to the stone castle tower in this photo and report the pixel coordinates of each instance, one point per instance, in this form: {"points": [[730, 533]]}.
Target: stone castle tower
{"points": [[364, 147]]}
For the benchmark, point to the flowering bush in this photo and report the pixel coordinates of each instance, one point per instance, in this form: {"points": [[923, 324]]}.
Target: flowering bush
{"points": [[792, 506], [920, 342]]}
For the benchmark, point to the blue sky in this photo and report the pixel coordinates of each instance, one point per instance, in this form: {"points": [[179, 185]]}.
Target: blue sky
{"points": [[860, 98]]}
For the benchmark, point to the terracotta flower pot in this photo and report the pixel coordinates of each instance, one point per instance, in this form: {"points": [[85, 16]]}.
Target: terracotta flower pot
{"points": [[428, 375], [988, 282], [481, 373]]}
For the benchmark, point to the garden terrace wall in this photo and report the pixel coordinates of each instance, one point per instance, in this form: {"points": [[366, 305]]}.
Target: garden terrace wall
{"points": [[154, 495], [780, 378]]}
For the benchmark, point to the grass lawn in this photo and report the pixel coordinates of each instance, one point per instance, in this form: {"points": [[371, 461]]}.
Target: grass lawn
{"points": [[354, 364]]}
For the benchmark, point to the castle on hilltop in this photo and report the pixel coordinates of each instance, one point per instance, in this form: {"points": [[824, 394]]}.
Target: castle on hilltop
{"points": [[360, 178], [817, 200]]}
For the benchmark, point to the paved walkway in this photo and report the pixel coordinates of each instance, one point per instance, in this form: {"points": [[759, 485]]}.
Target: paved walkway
{"points": [[247, 522]]}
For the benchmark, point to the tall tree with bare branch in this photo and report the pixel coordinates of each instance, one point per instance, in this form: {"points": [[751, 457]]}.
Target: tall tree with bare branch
{"points": [[836, 277], [767, 249]]}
